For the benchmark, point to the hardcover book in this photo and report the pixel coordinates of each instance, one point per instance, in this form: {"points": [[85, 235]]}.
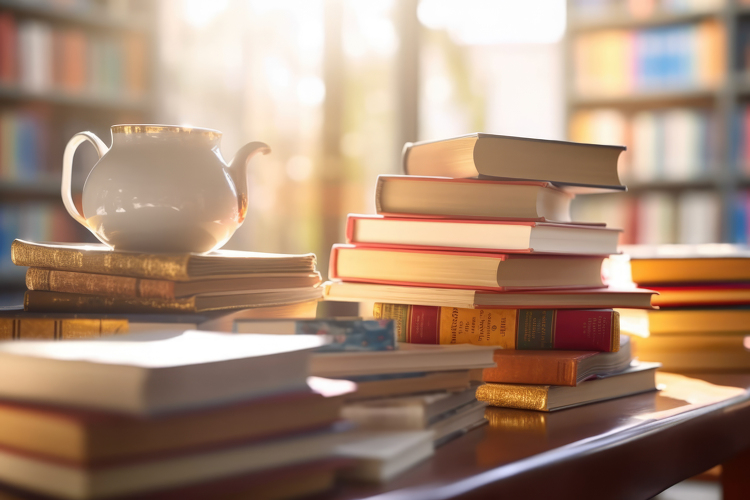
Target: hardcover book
{"points": [[506, 157], [564, 329]]}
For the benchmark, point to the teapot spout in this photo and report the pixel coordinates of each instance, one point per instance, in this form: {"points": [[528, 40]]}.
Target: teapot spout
{"points": [[238, 172]]}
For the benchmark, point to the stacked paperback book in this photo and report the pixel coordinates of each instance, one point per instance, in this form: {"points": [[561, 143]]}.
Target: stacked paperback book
{"points": [[92, 280], [703, 321], [475, 245]]}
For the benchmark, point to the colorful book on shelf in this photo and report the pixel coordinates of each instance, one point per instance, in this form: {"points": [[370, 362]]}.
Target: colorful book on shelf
{"points": [[346, 335], [98, 258], [696, 353], [498, 156], [568, 368], [532, 329], [634, 380], [37, 301], [129, 287], [478, 271], [443, 198], [689, 264], [480, 236], [604, 298], [91, 438], [155, 373]]}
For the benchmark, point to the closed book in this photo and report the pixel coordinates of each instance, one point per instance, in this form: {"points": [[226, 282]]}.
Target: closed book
{"points": [[8, 49], [436, 197], [637, 379], [60, 328], [713, 321], [402, 384], [709, 294], [90, 437], [96, 258], [564, 329], [500, 156], [696, 353], [481, 236], [126, 286], [556, 367], [689, 264], [480, 271], [36, 301], [148, 374], [605, 298]]}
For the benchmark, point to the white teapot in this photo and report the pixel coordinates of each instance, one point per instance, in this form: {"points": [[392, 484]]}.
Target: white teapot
{"points": [[161, 188]]}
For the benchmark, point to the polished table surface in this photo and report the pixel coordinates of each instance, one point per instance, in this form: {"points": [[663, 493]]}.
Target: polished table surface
{"points": [[633, 447]]}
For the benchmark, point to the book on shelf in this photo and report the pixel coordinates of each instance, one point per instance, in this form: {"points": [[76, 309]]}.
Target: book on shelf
{"points": [[90, 437], [696, 353], [533, 329], [605, 298], [37, 301], [437, 197], [634, 380], [408, 358], [574, 165], [383, 455], [480, 236], [689, 264], [100, 259], [401, 384], [709, 294], [126, 286], [480, 271], [565, 368], [148, 374]]}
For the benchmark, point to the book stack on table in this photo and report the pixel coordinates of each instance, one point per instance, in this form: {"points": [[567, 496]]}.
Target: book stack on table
{"points": [[108, 285], [475, 245], [189, 415], [703, 321]]}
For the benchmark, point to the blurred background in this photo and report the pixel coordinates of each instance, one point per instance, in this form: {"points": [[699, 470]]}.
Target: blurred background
{"points": [[337, 86]]}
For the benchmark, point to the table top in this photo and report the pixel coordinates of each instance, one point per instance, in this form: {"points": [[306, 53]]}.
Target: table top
{"points": [[632, 447]]}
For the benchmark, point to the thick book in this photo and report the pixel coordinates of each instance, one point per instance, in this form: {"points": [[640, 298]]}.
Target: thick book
{"points": [[91, 437], [708, 294], [689, 264], [15, 328], [533, 329], [61, 479], [696, 353], [146, 374], [402, 195], [126, 286], [479, 271], [635, 380], [568, 368], [100, 259], [506, 157], [604, 298], [408, 358], [696, 321], [480, 236], [37, 301]]}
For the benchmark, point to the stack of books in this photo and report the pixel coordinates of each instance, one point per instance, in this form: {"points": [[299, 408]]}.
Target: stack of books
{"points": [[475, 245], [92, 279], [703, 319], [167, 415]]}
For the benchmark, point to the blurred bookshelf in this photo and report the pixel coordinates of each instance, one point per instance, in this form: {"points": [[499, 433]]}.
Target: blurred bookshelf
{"points": [[670, 81], [65, 66]]}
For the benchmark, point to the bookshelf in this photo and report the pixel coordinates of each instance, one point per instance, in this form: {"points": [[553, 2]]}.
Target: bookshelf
{"points": [[64, 67], [647, 95]]}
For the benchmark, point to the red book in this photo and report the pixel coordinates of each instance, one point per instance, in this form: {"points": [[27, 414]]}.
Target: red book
{"points": [[8, 49]]}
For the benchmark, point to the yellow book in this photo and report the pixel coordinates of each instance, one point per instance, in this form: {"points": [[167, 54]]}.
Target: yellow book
{"points": [[60, 328], [684, 353], [699, 321]]}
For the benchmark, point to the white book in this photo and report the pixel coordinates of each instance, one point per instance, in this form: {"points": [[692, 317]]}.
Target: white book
{"points": [[35, 55], [157, 372]]}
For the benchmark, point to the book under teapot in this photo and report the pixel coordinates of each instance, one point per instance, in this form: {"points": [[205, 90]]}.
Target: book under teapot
{"points": [[161, 188]]}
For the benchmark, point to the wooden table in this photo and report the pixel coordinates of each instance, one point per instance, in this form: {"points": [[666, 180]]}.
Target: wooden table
{"points": [[630, 448]]}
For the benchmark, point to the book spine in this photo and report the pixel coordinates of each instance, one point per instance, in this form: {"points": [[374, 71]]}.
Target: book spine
{"points": [[97, 284], [60, 329], [166, 266], [56, 302], [523, 397], [523, 329], [531, 368]]}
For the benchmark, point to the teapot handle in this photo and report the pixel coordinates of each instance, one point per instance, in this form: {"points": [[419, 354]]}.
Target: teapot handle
{"points": [[67, 173]]}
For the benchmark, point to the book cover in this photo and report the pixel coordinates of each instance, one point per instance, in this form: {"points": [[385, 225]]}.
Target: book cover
{"points": [[564, 329], [60, 328]]}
